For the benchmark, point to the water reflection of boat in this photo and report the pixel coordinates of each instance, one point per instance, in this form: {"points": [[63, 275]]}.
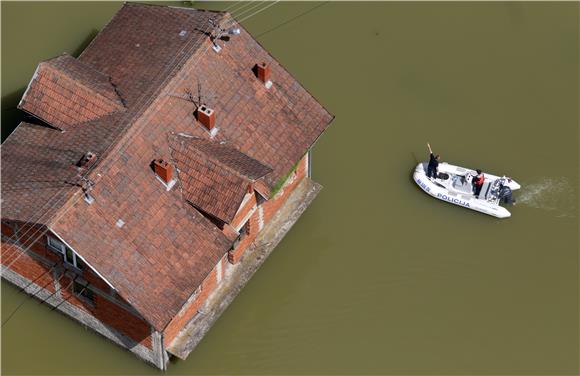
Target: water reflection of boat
{"points": [[454, 185]]}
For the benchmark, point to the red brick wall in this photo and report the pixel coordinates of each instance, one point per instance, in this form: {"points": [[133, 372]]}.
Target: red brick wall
{"points": [[253, 228], [34, 269], [190, 309], [33, 237], [27, 266], [118, 317], [270, 207], [7, 230], [244, 210], [110, 313]]}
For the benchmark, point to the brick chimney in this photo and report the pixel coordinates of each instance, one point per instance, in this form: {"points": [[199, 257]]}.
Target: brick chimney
{"points": [[206, 116], [163, 170], [263, 74], [87, 160]]}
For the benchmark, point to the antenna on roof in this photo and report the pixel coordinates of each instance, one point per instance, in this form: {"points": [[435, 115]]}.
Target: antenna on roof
{"points": [[203, 99], [198, 94], [201, 111], [87, 186], [222, 33], [198, 101]]}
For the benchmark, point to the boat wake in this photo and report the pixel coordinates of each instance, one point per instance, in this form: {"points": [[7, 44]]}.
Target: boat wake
{"points": [[552, 194]]}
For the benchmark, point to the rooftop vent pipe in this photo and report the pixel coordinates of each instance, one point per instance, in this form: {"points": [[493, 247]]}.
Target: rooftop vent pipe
{"points": [[87, 160]]}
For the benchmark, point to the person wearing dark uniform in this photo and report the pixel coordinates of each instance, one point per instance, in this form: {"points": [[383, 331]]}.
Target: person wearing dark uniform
{"points": [[433, 163], [478, 182]]}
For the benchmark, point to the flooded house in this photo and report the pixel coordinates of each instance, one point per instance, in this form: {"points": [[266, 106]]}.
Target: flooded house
{"points": [[153, 174]]}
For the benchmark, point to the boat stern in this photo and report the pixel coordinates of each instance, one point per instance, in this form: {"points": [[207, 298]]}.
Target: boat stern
{"points": [[502, 212]]}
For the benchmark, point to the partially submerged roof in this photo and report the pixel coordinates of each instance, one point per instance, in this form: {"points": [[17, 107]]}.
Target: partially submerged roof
{"points": [[214, 176], [64, 91], [150, 243]]}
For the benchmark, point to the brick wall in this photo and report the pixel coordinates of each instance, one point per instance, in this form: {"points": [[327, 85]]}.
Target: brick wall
{"points": [[110, 313], [262, 214], [109, 308], [191, 308], [46, 268], [272, 205], [267, 209], [27, 266]]}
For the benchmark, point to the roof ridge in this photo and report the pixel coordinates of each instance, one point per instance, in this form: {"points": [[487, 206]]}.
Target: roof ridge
{"points": [[191, 151], [136, 3], [129, 128], [79, 62], [217, 161], [118, 102]]}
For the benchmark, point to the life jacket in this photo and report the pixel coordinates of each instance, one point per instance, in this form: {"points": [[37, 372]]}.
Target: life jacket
{"points": [[479, 179]]}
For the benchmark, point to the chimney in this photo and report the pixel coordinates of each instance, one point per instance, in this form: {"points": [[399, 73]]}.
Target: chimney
{"points": [[263, 74], [206, 116], [163, 170], [87, 160]]}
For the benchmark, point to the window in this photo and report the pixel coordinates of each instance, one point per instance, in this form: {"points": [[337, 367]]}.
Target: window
{"points": [[68, 254], [243, 232], [55, 245], [245, 228], [83, 291]]}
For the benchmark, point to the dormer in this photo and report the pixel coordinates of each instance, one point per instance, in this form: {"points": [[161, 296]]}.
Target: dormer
{"points": [[64, 92], [215, 177]]}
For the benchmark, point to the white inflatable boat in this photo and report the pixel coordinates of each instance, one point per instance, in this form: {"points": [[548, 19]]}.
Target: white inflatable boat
{"points": [[454, 184]]}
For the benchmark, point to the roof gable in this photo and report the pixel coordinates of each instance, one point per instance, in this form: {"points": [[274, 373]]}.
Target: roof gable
{"points": [[65, 91]]}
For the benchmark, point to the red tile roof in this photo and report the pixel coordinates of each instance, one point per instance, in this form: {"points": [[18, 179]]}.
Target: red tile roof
{"points": [[214, 177], [276, 126], [161, 254], [149, 53], [65, 91]]}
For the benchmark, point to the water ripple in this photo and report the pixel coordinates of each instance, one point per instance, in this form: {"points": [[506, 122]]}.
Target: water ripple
{"points": [[554, 194]]}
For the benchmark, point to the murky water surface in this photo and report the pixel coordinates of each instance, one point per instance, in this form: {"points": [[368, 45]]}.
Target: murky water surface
{"points": [[377, 277]]}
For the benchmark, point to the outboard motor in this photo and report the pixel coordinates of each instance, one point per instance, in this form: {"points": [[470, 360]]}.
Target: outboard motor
{"points": [[505, 195]]}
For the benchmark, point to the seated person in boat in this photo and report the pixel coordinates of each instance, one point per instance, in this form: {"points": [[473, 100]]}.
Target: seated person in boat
{"points": [[433, 163], [478, 182]]}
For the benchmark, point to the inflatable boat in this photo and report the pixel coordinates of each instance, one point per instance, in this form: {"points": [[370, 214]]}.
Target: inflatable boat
{"points": [[454, 185]]}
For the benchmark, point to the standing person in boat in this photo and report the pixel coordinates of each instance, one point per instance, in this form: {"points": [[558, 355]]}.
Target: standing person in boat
{"points": [[478, 182], [433, 163]]}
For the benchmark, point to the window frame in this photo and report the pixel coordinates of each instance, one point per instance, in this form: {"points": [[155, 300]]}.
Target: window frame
{"points": [[243, 232], [85, 290], [58, 246]]}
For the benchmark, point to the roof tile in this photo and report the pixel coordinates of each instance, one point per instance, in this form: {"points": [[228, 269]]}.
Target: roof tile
{"points": [[121, 87], [65, 91]]}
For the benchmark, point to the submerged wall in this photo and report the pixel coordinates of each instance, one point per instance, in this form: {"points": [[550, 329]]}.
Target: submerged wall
{"points": [[260, 213], [31, 264]]}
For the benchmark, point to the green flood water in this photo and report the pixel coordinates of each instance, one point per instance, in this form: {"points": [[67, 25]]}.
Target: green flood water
{"points": [[377, 277]]}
